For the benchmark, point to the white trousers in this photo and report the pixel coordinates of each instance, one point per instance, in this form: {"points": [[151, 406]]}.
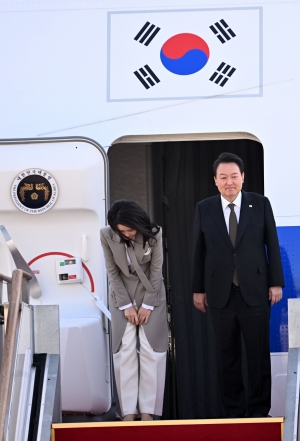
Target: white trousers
{"points": [[142, 393]]}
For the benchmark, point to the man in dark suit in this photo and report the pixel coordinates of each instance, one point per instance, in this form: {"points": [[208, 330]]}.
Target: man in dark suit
{"points": [[237, 271]]}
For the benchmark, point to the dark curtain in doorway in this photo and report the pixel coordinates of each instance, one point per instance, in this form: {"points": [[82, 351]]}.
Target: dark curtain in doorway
{"points": [[185, 178]]}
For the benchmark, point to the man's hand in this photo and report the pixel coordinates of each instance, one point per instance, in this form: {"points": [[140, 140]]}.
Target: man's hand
{"points": [[200, 301], [131, 315], [275, 294], [143, 315]]}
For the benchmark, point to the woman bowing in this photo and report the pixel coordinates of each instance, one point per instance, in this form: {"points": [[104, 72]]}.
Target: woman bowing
{"points": [[132, 246]]}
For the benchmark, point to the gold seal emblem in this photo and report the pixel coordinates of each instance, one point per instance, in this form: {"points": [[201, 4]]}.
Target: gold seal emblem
{"points": [[34, 191]]}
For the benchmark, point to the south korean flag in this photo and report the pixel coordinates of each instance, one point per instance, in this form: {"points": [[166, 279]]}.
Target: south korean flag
{"points": [[184, 54]]}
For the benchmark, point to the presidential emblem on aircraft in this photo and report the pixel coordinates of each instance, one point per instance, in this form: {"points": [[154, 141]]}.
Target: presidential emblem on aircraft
{"points": [[34, 191]]}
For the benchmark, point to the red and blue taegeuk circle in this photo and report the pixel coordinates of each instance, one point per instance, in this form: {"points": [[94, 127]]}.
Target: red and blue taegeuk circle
{"points": [[184, 54]]}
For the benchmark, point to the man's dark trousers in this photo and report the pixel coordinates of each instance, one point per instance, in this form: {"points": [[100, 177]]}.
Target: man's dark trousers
{"points": [[252, 322]]}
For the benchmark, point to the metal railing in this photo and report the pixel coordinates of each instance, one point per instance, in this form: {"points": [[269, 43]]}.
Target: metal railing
{"points": [[16, 292]]}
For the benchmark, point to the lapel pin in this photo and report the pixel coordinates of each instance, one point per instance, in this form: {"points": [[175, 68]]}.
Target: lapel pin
{"points": [[250, 206]]}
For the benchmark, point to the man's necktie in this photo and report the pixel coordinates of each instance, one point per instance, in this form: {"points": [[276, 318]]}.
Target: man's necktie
{"points": [[232, 234]]}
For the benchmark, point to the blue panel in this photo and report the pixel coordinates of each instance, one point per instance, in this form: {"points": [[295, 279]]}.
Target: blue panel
{"points": [[289, 239]]}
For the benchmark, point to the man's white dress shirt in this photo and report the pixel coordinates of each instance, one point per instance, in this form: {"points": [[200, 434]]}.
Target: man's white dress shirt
{"points": [[237, 208]]}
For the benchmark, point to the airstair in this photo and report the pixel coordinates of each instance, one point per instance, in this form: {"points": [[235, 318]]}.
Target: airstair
{"points": [[30, 371]]}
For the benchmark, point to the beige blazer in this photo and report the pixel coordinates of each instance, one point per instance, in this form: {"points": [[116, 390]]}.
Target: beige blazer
{"points": [[125, 287]]}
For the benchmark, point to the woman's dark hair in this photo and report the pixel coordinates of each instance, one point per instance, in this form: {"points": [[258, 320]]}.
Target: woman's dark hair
{"points": [[131, 215], [227, 158]]}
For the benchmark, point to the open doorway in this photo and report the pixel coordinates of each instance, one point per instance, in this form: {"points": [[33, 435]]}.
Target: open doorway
{"points": [[167, 179]]}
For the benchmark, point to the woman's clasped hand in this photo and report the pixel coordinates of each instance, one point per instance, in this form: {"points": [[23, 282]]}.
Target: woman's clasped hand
{"points": [[137, 317]]}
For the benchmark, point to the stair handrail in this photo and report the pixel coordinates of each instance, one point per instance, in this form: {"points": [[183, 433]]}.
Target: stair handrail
{"points": [[4, 278], [10, 341]]}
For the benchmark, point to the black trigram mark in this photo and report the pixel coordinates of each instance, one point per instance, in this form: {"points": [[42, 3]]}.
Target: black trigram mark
{"points": [[146, 76], [223, 73], [221, 30], [146, 32]]}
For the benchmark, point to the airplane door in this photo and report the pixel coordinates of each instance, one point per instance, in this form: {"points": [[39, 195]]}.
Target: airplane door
{"points": [[53, 204]]}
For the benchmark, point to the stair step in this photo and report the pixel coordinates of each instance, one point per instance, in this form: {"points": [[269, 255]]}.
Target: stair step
{"points": [[245, 429]]}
